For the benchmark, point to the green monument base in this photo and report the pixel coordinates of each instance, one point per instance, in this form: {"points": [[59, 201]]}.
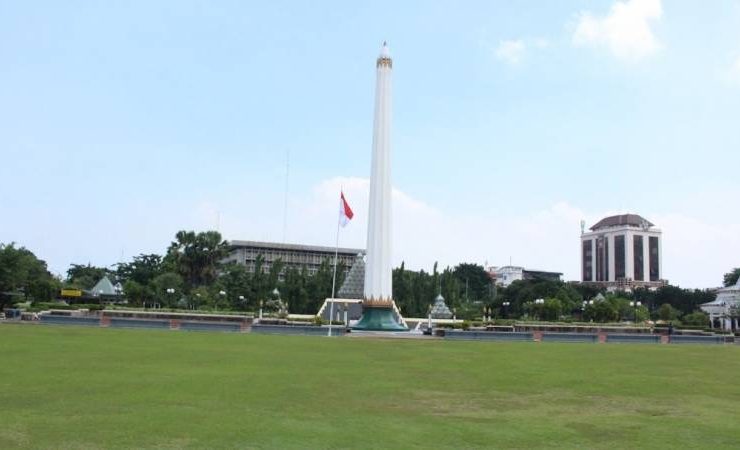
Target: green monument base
{"points": [[378, 319]]}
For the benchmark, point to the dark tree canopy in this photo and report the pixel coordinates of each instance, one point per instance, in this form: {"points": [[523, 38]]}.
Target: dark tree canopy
{"points": [[24, 277], [732, 276], [84, 276]]}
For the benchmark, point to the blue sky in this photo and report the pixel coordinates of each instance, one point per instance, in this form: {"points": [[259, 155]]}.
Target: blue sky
{"points": [[122, 122]]}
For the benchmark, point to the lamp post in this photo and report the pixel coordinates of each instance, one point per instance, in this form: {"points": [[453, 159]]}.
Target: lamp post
{"points": [[429, 318], [242, 302], [506, 308], [539, 301], [170, 293], [635, 304], [222, 295]]}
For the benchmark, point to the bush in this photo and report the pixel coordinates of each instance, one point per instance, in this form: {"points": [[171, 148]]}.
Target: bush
{"points": [[696, 319], [668, 312], [45, 306]]}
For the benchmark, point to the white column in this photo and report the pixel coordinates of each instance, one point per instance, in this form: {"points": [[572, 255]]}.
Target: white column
{"points": [[646, 257], [629, 255], [660, 257], [378, 276], [611, 260], [593, 259]]}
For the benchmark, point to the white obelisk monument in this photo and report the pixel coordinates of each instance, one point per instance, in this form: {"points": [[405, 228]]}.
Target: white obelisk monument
{"points": [[377, 305]]}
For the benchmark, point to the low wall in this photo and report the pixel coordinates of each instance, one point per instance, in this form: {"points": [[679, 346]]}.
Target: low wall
{"points": [[699, 339], [138, 323], [125, 314], [298, 330], [487, 335], [210, 326], [569, 337], [49, 319], [633, 338]]}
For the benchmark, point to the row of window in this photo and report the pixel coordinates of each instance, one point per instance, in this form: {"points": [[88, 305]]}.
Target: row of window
{"points": [[620, 258]]}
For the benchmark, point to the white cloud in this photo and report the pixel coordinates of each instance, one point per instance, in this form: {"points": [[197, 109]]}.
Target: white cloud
{"points": [[511, 51], [696, 252], [626, 30]]}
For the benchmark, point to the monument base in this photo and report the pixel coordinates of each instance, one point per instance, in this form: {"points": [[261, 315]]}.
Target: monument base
{"points": [[378, 319]]}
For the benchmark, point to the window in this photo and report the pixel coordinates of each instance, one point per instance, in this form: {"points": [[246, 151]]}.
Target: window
{"points": [[587, 252], [619, 258], [602, 259], [638, 259], [654, 258]]}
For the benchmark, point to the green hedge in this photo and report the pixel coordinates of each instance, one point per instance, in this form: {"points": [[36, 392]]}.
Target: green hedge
{"points": [[45, 306]]}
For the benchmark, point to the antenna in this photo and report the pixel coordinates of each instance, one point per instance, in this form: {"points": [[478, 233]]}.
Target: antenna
{"points": [[285, 201]]}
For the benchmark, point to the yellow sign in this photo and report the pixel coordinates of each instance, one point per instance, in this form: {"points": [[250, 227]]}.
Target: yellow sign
{"points": [[71, 293]]}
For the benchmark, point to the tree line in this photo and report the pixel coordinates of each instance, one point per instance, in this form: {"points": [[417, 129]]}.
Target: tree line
{"points": [[192, 274]]}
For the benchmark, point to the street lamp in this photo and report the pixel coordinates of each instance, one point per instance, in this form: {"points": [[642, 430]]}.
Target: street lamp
{"points": [[221, 294], [635, 305], [506, 307], [170, 293], [429, 318]]}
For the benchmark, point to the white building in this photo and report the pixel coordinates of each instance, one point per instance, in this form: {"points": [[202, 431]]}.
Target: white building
{"points": [[722, 311], [505, 275], [622, 252]]}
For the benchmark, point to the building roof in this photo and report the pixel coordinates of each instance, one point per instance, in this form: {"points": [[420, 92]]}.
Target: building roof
{"points": [[104, 287], [354, 284], [295, 247], [620, 220]]}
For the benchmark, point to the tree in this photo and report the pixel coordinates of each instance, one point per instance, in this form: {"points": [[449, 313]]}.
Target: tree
{"points": [[235, 282], [602, 311], [85, 276], [165, 281], [295, 291], [668, 312], [732, 276], [196, 256], [135, 293], [696, 319], [143, 269], [550, 309], [24, 277], [475, 282]]}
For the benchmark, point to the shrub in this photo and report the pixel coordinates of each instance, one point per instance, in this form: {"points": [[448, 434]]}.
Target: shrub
{"points": [[696, 319]]}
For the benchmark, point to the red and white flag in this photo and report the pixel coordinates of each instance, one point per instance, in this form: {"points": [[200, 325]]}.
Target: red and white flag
{"points": [[345, 212]]}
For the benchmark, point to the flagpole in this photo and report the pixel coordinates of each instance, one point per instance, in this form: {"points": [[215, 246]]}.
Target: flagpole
{"points": [[334, 277]]}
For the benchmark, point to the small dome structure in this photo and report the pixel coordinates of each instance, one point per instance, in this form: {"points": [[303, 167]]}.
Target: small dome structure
{"points": [[440, 309]]}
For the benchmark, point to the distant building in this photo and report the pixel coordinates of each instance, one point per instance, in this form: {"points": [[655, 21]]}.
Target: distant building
{"points": [[505, 275], [722, 310], [622, 252], [292, 255], [105, 288]]}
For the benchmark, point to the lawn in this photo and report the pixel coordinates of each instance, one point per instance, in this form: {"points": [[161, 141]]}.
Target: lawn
{"points": [[69, 387]]}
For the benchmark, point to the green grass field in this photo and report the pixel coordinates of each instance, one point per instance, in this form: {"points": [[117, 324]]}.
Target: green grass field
{"points": [[68, 387]]}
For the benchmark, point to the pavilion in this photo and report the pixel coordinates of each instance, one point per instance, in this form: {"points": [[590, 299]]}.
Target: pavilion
{"points": [[725, 308]]}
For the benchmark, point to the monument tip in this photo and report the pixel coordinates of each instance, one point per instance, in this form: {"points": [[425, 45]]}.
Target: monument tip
{"points": [[384, 50]]}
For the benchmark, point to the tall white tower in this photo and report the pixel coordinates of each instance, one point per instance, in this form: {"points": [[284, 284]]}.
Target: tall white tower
{"points": [[377, 305]]}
